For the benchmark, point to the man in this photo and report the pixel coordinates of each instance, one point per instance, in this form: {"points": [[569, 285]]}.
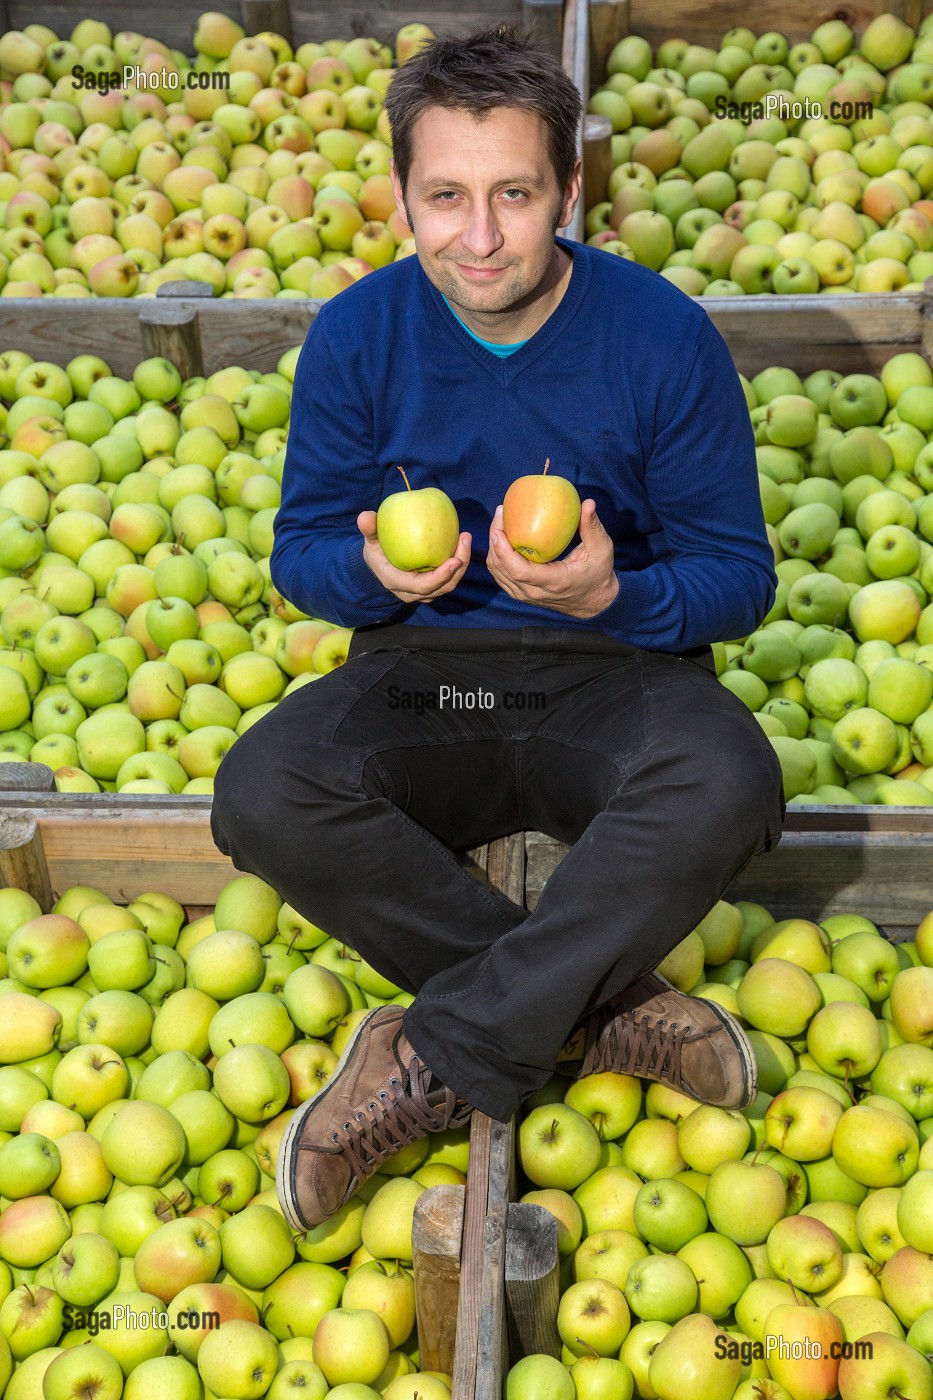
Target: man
{"points": [[492, 694]]}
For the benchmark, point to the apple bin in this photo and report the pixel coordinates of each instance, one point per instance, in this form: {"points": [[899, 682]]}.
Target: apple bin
{"points": [[450, 1237], [493, 1271]]}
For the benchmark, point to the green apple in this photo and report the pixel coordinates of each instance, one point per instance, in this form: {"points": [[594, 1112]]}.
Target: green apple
{"points": [[667, 1213], [744, 1200], [143, 1145], [558, 1146], [660, 1288]]}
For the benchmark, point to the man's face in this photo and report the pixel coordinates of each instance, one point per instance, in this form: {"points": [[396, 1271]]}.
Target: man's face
{"points": [[484, 204]]}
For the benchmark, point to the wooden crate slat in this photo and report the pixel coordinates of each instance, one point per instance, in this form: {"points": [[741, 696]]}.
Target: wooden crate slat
{"points": [[853, 333], [879, 870]]}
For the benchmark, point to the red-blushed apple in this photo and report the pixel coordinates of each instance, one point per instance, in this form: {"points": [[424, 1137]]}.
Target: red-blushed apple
{"points": [[803, 1346], [540, 515]]}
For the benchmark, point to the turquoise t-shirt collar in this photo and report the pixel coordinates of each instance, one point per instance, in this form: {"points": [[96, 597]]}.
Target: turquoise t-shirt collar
{"points": [[497, 349]]}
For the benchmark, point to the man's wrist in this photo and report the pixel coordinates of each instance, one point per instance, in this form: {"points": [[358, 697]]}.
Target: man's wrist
{"points": [[609, 596]]}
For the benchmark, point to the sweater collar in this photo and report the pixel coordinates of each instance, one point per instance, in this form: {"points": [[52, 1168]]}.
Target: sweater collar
{"points": [[507, 367]]}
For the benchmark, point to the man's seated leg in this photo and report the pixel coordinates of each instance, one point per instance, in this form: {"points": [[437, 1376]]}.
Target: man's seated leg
{"points": [[691, 791], [315, 799]]}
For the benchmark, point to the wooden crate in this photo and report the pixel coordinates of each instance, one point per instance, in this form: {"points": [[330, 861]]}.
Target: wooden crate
{"points": [[459, 1235]]}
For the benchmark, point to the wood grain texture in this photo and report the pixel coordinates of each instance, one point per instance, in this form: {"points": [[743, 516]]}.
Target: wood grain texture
{"points": [[575, 61], [481, 1349], [26, 777], [170, 330], [532, 1281], [22, 858], [125, 846], [854, 334], [436, 1237], [878, 865]]}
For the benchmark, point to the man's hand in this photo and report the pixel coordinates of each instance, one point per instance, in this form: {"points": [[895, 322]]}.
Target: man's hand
{"points": [[581, 585], [408, 584]]}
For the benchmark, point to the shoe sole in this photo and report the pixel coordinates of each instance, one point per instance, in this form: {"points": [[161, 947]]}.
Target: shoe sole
{"points": [[741, 1043], [287, 1166]]}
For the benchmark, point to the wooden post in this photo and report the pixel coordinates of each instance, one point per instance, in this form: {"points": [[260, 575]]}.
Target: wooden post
{"points": [[597, 158], [22, 859], [575, 59], [436, 1235], [926, 306], [543, 20], [26, 777], [532, 1285], [481, 1351], [169, 328], [267, 16], [609, 22]]}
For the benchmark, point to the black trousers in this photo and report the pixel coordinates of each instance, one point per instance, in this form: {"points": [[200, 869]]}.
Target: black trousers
{"points": [[353, 796]]}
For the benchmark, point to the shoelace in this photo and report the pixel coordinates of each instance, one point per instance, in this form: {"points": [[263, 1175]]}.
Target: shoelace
{"points": [[647, 1047], [396, 1118]]}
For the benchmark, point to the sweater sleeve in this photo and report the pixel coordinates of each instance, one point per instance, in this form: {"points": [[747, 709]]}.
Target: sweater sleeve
{"points": [[717, 581], [330, 475]]}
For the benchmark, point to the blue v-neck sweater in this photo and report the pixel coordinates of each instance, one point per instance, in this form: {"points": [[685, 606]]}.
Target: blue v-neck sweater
{"points": [[627, 387]]}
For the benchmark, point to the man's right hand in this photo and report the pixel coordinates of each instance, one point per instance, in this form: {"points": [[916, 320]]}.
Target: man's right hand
{"points": [[408, 584]]}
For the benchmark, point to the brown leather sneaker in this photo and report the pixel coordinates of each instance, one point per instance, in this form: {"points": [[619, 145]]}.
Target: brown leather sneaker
{"points": [[653, 1031], [377, 1101]]}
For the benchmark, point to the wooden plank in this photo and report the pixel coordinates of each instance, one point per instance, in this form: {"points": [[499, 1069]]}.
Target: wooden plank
{"points": [[22, 859], [436, 1238], [854, 334], [542, 19], [267, 16], [878, 862], [532, 1281], [126, 845], [481, 1352]]}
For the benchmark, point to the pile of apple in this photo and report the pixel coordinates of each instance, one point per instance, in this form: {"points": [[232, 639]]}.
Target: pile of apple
{"points": [[148, 1069], [140, 630], [694, 1239], [724, 196], [840, 674], [276, 185]]}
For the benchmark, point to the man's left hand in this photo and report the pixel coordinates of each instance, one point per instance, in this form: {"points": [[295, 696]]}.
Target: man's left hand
{"points": [[581, 585]]}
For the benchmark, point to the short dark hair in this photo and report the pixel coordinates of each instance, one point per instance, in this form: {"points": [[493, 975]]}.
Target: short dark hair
{"points": [[498, 67]]}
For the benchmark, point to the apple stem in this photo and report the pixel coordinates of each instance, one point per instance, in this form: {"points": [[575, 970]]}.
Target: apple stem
{"points": [[404, 477], [589, 1346], [547, 463], [794, 1291]]}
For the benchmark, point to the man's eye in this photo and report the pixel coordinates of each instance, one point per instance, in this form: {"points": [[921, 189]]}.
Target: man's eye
{"points": [[443, 195], [520, 193]]}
